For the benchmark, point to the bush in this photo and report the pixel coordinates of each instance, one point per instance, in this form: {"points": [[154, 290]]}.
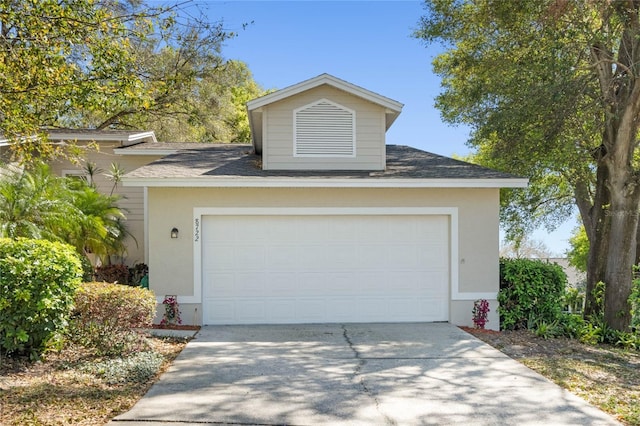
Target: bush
{"points": [[531, 293], [106, 317], [113, 274], [572, 325], [38, 280], [634, 299]]}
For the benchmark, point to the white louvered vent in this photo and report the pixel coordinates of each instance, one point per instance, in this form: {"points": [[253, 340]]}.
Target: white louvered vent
{"points": [[324, 129]]}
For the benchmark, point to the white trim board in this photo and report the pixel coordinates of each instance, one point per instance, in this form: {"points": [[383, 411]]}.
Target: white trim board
{"points": [[452, 212], [246, 182]]}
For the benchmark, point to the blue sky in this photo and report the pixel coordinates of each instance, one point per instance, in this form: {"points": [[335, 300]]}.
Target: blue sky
{"points": [[367, 43]]}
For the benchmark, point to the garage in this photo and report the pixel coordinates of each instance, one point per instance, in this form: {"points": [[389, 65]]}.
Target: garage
{"points": [[325, 268]]}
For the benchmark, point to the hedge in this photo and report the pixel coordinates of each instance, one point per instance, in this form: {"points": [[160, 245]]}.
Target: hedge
{"points": [[531, 293], [38, 280]]}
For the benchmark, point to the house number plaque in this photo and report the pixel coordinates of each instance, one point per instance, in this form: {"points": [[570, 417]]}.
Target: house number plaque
{"points": [[197, 230]]}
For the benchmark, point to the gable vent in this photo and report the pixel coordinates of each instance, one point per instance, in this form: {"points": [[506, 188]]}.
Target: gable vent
{"points": [[324, 129]]}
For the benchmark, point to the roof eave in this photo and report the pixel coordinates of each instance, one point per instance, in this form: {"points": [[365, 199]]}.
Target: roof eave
{"points": [[318, 81], [249, 182], [125, 139]]}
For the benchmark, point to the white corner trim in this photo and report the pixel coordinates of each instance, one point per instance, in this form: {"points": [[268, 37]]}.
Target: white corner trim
{"points": [[145, 212]]}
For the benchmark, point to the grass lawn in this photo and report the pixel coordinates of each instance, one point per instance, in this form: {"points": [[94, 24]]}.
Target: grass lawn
{"points": [[606, 376], [66, 389]]}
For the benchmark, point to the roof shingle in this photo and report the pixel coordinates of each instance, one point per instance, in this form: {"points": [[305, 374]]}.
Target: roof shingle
{"points": [[240, 161]]}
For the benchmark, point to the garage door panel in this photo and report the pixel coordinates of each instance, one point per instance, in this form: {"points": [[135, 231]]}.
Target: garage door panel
{"points": [[341, 257], [403, 256], [280, 311], [311, 309], [371, 255], [281, 256], [432, 255], [219, 311], [297, 269], [337, 283], [341, 230]]}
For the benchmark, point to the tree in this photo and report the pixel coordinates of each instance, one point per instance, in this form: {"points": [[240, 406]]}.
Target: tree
{"points": [[550, 90], [32, 204], [108, 64], [525, 249], [100, 228], [578, 255], [206, 106], [36, 204], [62, 56], [192, 90]]}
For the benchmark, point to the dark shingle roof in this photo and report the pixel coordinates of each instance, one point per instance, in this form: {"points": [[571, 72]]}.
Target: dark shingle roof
{"points": [[239, 161], [168, 146]]}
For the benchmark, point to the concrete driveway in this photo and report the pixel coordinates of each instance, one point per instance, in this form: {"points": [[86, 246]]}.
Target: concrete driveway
{"points": [[353, 374]]}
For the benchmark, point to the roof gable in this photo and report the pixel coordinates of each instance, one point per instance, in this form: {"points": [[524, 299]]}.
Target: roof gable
{"points": [[254, 107]]}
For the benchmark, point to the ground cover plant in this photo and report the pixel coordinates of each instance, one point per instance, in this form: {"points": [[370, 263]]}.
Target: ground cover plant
{"points": [[102, 366], [75, 386]]}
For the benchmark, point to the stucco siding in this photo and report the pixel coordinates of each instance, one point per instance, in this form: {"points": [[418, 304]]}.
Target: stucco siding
{"points": [[277, 127], [171, 262]]}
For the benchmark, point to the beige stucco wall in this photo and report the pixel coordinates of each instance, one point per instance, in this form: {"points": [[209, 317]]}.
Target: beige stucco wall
{"points": [[132, 201], [171, 260], [277, 126]]}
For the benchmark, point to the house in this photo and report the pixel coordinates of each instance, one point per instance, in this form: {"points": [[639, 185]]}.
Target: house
{"points": [[575, 278], [97, 151], [102, 149], [318, 220]]}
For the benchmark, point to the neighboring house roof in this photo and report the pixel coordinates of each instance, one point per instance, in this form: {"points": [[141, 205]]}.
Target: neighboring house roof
{"points": [[238, 165], [393, 108], [126, 137], [162, 148], [574, 276]]}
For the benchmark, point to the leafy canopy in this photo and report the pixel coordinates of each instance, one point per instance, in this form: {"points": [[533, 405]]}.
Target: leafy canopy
{"points": [[551, 91], [115, 64]]}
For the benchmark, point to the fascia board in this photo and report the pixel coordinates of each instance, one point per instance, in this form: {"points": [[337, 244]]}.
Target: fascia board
{"points": [[332, 81], [323, 183], [101, 137]]}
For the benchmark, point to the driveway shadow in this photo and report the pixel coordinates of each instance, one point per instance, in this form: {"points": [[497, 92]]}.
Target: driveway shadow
{"points": [[369, 374]]}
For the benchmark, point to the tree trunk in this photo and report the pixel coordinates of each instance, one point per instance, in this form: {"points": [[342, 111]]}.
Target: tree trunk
{"points": [[596, 265], [623, 215], [596, 224]]}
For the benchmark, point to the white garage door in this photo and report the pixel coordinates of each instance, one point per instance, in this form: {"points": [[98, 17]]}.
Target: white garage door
{"points": [[314, 269]]}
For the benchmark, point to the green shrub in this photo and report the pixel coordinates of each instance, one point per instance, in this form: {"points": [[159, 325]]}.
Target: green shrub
{"points": [[572, 325], [106, 317], [574, 300], [531, 293], [634, 300], [113, 274], [38, 280]]}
